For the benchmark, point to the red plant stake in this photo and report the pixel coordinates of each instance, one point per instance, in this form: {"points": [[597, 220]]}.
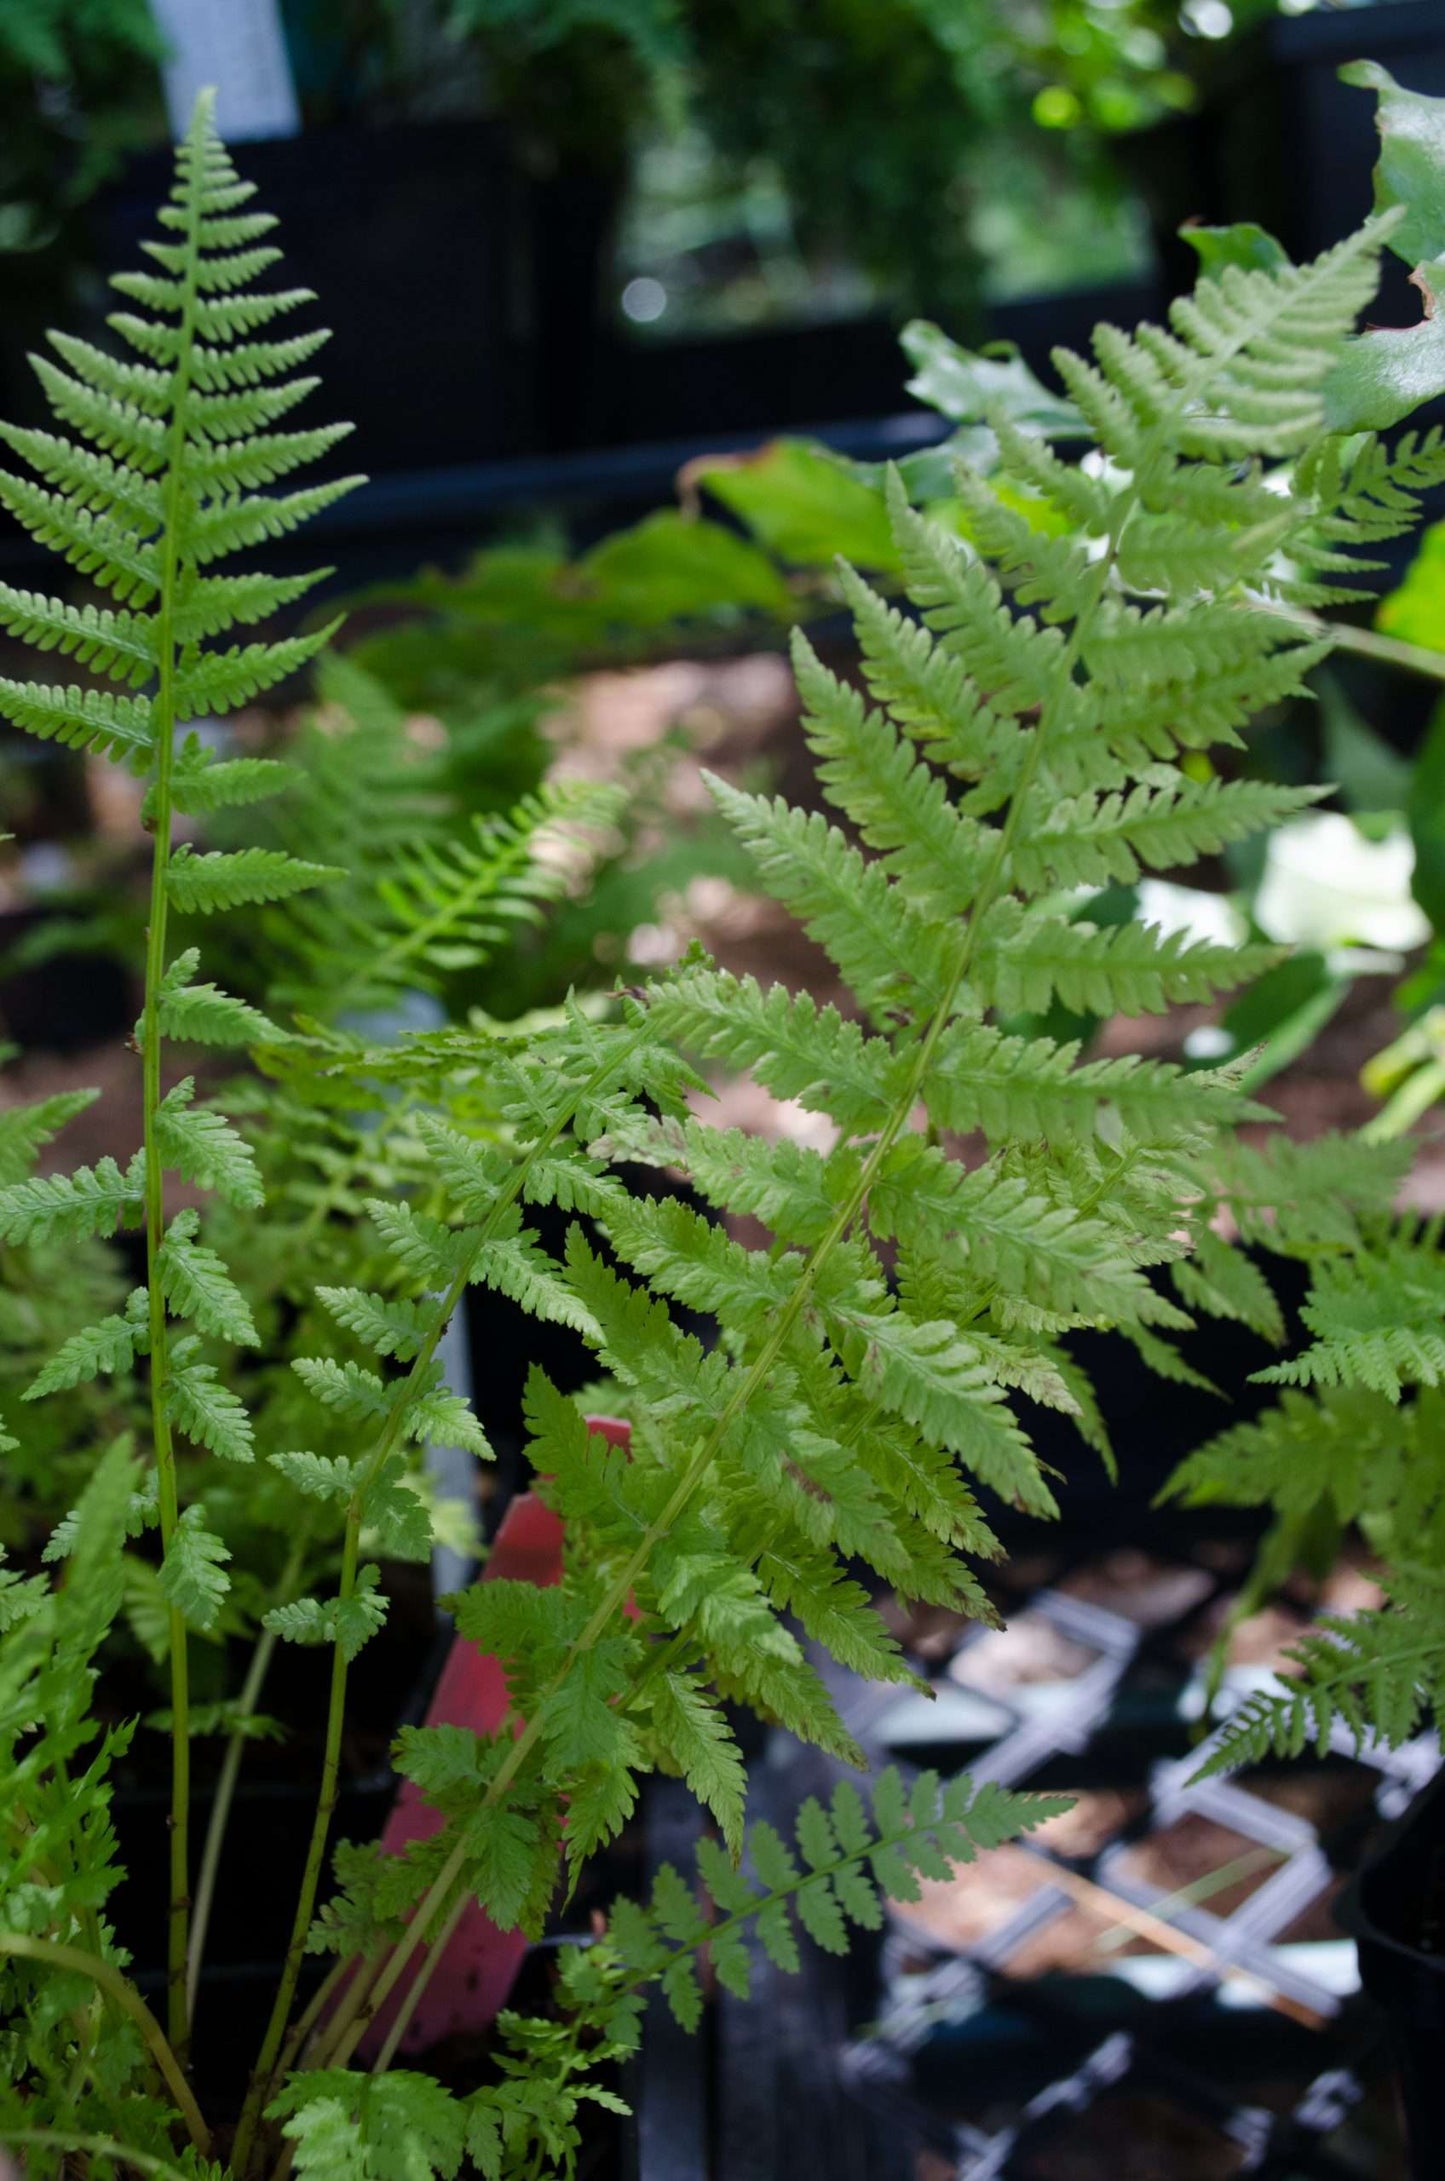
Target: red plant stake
{"points": [[473, 1980]]}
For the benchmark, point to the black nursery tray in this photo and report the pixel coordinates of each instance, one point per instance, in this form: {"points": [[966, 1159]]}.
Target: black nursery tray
{"points": [[1024, 2023]]}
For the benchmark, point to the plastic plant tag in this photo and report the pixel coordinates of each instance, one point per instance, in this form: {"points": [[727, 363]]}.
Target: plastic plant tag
{"points": [[473, 1980]]}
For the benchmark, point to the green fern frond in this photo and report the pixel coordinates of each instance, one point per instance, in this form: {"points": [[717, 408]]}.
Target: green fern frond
{"points": [[1374, 1676], [843, 1867]]}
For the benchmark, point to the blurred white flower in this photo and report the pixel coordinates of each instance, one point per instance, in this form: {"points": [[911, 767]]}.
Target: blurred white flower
{"points": [[1209, 918], [1326, 886]]}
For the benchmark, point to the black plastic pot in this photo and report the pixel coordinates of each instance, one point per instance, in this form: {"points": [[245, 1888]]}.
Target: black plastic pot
{"points": [[65, 1003], [1396, 1912], [1278, 138], [414, 238]]}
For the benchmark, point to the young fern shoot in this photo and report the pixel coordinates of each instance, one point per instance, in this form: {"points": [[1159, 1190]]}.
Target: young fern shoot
{"points": [[162, 482]]}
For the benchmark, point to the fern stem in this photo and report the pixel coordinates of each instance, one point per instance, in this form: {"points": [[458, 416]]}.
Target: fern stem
{"points": [[749, 1382], [107, 2147], [386, 1444], [163, 714], [21, 1946], [315, 1859], [1420, 659], [230, 1773], [412, 1997]]}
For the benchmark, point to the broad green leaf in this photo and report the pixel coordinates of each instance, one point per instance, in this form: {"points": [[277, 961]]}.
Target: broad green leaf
{"points": [[805, 505]]}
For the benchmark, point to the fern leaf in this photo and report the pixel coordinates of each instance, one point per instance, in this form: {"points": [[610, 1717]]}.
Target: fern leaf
{"points": [[197, 1285], [201, 884], [1026, 961], [1112, 838], [81, 719], [202, 1014], [349, 1623], [202, 786], [60, 1207], [94, 636], [888, 953], [210, 605], [107, 551], [936, 1379], [220, 680], [102, 1349], [206, 1411], [346, 1387], [389, 1326], [205, 1149], [897, 804], [1018, 1089], [24, 1130], [193, 1572], [796, 1048]]}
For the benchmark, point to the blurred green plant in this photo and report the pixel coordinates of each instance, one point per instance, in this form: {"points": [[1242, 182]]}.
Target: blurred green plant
{"points": [[77, 87]]}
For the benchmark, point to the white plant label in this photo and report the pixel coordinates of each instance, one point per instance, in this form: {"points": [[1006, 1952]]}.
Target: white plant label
{"points": [[239, 46]]}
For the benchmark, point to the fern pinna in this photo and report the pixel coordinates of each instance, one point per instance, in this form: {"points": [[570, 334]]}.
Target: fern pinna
{"points": [[159, 485]]}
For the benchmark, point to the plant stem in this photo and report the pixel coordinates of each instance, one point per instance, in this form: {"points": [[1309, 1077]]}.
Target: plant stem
{"points": [[124, 2154], [1370, 644], [21, 1946], [418, 1985], [265, 2068], [163, 716], [315, 1858], [225, 1795]]}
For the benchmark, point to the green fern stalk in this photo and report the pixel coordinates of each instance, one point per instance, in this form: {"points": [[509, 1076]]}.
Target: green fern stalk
{"points": [[439, 1316], [79, 1961], [160, 818]]}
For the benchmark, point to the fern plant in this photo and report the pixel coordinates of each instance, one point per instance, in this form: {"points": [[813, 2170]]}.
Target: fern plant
{"points": [[865, 1391], [158, 487], [907, 1292]]}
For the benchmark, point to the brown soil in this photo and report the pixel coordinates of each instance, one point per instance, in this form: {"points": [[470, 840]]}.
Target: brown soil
{"points": [[1133, 2137], [962, 1910], [1029, 1651], [1149, 1592]]}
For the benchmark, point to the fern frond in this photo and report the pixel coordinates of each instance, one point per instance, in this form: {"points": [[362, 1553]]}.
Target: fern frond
{"points": [[1365, 1677], [843, 1867], [796, 1048], [1017, 1089], [202, 1014], [888, 953], [197, 1285], [91, 635], [899, 806]]}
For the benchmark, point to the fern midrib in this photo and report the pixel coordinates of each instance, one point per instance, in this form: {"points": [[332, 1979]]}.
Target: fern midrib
{"points": [[163, 720]]}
